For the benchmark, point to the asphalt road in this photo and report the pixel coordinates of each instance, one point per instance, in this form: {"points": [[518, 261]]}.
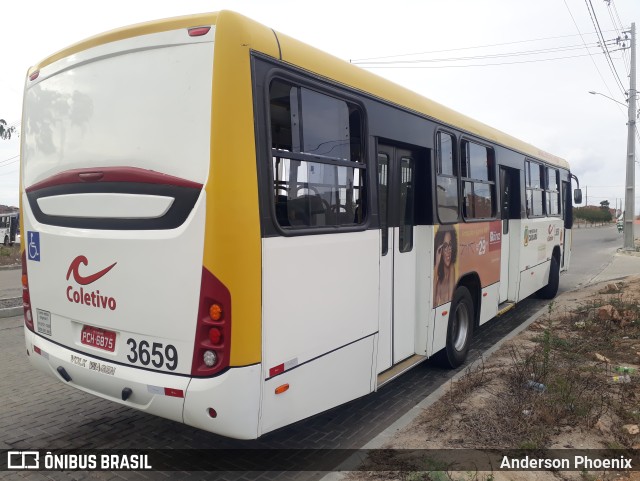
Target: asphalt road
{"points": [[592, 251], [39, 413]]}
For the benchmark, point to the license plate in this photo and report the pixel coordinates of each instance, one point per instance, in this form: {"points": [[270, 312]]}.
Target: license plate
{"points": [[100, 338], [43, 322]]}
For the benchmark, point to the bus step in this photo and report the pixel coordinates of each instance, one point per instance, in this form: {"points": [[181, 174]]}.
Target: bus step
{"points": [[394, 371], [504, 307]]}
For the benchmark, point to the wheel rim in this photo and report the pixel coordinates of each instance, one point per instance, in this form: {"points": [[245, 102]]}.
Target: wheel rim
{"points": [[461, 326]]}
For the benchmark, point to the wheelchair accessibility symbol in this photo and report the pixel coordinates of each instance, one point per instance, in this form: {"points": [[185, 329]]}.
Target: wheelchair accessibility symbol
{"points": [[33, 246]]}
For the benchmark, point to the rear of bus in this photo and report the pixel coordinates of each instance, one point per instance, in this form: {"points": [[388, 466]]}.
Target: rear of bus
{"points": [[116, 155]]}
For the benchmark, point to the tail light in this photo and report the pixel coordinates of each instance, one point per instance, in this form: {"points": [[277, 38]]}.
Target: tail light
{"points": [[212, 346], [198, 31], [26, 298]]}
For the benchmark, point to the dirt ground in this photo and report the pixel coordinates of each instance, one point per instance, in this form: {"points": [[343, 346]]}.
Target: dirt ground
{"points": [[583, 355]]}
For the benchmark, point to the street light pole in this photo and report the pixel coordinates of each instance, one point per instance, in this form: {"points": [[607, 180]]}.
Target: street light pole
{"points": [[610, 98], [629, 205]]}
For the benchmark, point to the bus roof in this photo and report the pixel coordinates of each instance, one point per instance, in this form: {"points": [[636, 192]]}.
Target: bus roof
{"points": [[262, 39]]}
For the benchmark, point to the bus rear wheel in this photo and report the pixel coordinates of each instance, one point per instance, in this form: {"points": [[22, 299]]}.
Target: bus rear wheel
{"points": [[459, 329], [6, 240]]}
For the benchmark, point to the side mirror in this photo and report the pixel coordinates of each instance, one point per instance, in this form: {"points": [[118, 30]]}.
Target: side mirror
{"points": [[577, 196]]}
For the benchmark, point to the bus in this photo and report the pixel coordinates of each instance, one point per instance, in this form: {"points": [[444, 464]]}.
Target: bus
{"points": [[9, 227], [233, 230]]}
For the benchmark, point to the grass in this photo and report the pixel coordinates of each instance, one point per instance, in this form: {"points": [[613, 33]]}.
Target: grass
{"points": [[578, 387], [9, 255]]}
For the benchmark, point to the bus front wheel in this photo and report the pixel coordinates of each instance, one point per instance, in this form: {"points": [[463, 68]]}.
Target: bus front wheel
{"points": [[6, 240], [459, 329]]}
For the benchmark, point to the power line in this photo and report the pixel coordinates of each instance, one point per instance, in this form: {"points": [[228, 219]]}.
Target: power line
{"points": [[467, 48], [613, 21], [596, 24], [619, 26], [615, 10], [475, 65], [592, 59], [479, 57], [10, 163], [10, 158]]}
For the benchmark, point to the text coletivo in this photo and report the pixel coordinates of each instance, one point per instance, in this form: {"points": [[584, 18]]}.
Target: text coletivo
{"points": [[93, 299]]}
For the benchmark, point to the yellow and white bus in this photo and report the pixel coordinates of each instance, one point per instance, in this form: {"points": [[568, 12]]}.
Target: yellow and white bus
{"points": [[9, 223], [228, 228]]}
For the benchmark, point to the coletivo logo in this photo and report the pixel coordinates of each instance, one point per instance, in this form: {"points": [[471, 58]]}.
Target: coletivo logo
{"points": [[88, 298], [82, 280]]}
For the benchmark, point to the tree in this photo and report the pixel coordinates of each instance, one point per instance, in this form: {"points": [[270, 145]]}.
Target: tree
{"points": [[6, 132], [592, 214], [604, 206]]}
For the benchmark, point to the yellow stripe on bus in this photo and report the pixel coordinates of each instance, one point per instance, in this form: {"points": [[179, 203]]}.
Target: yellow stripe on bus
{"points": [[233, 243]]}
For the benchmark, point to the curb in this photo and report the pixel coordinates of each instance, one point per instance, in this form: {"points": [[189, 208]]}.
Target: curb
{"points": [[623, 251], [11, 267]]}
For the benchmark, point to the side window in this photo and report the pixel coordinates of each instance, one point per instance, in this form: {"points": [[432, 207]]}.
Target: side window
{"points": [[317, 158], [407, 174], [535, 198], [553, 191], [383, 198], [478, 181], [446, 175]]}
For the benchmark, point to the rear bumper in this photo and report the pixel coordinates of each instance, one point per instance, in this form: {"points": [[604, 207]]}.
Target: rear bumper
{"points": [[235, 395]]}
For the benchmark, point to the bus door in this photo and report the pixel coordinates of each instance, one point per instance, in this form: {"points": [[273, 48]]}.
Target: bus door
{"points": [[566, 238], [397, 322], [510, 213]]}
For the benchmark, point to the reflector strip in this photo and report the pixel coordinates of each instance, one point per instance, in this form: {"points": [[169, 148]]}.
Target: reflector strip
{"points": [[274, 371], [37, 350], [165, 391], [285, 366], [169, 391]]}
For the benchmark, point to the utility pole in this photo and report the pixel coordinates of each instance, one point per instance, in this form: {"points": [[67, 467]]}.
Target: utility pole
{"points": [[629, 205]]}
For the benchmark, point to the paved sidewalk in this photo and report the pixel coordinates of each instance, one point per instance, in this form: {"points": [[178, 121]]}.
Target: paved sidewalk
{"points": [[622, 265]]}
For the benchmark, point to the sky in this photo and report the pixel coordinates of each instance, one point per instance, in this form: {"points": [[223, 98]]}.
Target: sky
{"points": [[501, 72]]}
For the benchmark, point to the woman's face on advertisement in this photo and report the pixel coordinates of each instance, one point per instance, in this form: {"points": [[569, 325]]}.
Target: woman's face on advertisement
{"points": [[447, 248]]}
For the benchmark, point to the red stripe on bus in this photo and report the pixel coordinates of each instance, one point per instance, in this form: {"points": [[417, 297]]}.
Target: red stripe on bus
{"points": [[274, 371], [112, 174], [169, 391]]}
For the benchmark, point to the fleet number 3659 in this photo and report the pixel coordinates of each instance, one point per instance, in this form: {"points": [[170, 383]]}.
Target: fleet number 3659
{"points": [[156, 354]]}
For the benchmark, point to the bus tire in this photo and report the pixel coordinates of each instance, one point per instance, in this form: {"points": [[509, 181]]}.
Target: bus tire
{"points": [[551, 289], [6, 240], [459, 329]]}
